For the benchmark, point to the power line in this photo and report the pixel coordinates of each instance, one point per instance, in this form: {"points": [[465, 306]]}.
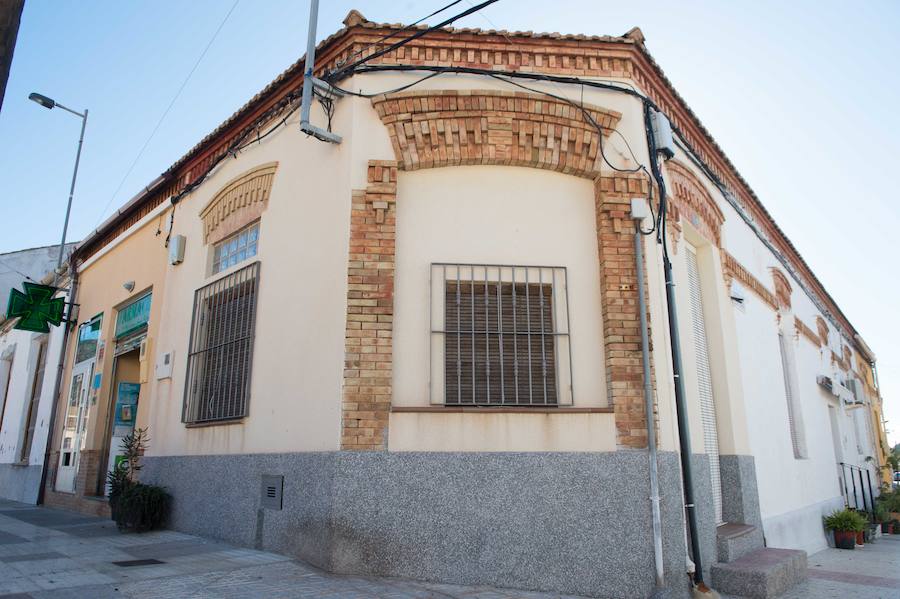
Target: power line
{"points": [[342, 71], [396, 33], [17, 271], [166, 112]]}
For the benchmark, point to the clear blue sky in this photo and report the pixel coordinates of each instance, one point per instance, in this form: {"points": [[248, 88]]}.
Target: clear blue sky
{"points": [[803, 96]]}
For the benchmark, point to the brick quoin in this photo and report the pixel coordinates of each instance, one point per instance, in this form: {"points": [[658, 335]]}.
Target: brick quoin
{"points": [[368, 338], [619, 305], [433, 129]]}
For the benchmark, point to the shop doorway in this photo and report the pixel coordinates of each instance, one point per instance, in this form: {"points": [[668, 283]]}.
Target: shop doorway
{"points": [[125, 391]]}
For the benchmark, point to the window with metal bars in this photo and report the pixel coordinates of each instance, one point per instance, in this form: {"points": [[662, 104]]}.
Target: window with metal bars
{"points": [[221, 348], [502, 335]]}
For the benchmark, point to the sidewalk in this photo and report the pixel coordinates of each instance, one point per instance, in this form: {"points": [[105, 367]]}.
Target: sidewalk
{"points": [[53, 554], [870, 572]]}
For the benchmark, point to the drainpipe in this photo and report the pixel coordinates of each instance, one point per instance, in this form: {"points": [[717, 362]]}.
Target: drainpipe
{"points": [[73, 291], [637, 215], [684, 433]]}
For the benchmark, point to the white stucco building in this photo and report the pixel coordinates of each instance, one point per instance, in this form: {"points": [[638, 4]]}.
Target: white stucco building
{"points": [[418, 352]]}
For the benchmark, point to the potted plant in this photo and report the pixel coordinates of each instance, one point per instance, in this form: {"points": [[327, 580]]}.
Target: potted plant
{"points": [[882, 517], [133, 504], [895, 527], [846, 525]]}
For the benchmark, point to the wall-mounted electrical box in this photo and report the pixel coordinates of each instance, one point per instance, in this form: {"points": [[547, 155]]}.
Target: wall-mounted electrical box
{"points": [[164, 364], [662, 133], [176, 249], [144, 357]]}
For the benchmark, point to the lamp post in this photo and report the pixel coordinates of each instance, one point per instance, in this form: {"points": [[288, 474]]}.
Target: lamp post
{"points": [[48, 103]]}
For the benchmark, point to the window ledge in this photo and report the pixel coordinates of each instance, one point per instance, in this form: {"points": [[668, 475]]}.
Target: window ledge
{"points": [[215, 423], [496, 410]]}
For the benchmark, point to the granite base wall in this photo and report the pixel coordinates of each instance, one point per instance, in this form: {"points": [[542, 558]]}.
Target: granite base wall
{"points": [[706, 512], [740, 494], [568, 522], [20, 483]]}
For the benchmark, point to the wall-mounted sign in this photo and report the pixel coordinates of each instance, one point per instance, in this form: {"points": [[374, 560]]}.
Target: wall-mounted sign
{"points": [[36, 308], [126, 408], [133, 316]]}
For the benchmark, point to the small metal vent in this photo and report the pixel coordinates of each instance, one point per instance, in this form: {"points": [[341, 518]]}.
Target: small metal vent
{"points": [[272, 490]]}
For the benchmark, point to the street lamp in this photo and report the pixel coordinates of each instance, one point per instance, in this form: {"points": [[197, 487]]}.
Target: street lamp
{"points": [[49, 103]]}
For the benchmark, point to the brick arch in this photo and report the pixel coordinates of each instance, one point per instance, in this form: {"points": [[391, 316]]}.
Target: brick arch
{"points": [[430, 129], [690, 200], [783, 288], [461, 127]]}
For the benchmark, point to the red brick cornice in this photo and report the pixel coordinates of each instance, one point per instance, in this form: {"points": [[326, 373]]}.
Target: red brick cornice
{"points": [[573, 55]]}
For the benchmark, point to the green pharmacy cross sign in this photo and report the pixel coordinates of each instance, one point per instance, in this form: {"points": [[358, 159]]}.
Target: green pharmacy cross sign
{"points": [[35, 308]]}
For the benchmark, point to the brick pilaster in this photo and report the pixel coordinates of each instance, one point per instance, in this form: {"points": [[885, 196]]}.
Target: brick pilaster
{"points": [[368, 339], [619, 300]]}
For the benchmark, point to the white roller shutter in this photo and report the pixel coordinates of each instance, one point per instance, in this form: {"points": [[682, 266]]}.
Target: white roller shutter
{"points": [[704, 382]]}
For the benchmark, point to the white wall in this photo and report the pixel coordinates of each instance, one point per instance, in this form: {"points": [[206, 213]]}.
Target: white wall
{"points": [[497, 215], [295, 393], [21, 379]]}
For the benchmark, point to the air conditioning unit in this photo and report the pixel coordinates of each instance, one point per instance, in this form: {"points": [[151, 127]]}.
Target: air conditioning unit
{"points": [[825, 383]]}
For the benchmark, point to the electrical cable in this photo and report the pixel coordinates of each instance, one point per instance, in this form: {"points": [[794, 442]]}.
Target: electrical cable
{"points": [[17, 271], [395, 33], [166, 112], [340, 73]]}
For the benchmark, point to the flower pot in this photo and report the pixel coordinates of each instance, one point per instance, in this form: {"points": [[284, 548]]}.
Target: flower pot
{"points": [[844, 539], [861, 538], [887, 528]]}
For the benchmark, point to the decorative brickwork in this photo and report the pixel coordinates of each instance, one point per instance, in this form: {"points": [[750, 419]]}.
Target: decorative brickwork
{"points": [[368, 366], [239, 203], [455, 127], [782, 288], [691, 201], [822, 327], [447, 128], [732, 269], [619, 301], [807, 332]]}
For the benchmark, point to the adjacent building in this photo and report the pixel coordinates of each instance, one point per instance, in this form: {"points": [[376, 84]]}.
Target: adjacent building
{"points": [[418, 352], [29, 375]]}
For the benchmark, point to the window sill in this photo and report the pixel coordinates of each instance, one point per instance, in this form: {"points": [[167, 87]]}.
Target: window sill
{"points": [[495, 410], [215, 423]]}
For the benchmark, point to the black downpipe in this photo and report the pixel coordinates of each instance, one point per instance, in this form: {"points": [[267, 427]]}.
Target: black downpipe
{"points": [[684, 434], [871, 496], [862, 488], [57, 387]]}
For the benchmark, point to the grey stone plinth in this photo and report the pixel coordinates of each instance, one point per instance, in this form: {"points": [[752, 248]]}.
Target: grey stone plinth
{"points": [[761, 574], [20, 483], [740, 495], [574, 523], [737, 540]]}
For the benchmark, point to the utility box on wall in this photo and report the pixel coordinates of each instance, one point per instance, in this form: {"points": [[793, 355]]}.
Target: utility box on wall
{"points": [[176, 249]]}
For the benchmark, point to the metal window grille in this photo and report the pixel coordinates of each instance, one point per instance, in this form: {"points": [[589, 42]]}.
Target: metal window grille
{"points": [[221, 348], [502, 337], [704, 383]]}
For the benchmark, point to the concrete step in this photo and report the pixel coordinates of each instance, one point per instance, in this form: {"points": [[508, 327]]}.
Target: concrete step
{"points": [[735, 540], [760, 574]]}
